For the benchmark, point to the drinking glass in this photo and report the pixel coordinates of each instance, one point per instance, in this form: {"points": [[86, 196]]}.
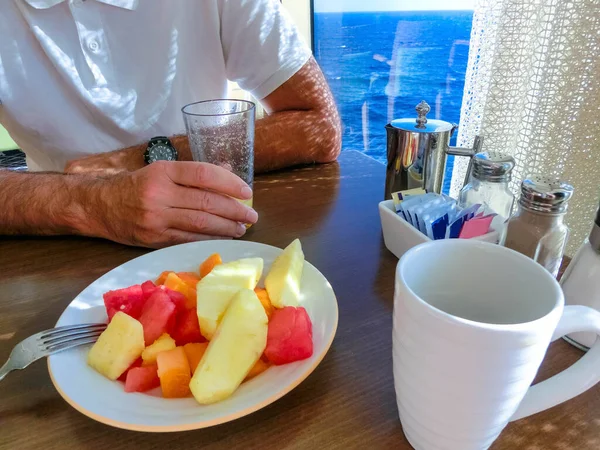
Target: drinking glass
{"points": [[221, 132]]}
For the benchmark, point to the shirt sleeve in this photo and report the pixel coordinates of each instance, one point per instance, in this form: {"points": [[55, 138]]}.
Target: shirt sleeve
{"points": [[261, 45]]}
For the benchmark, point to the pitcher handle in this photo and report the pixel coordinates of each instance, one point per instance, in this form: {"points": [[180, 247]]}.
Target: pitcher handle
{"points": [[469, 153], [573, 381]]}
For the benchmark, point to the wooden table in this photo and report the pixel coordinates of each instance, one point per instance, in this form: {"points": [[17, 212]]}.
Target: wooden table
{"points": [[347, 403]]}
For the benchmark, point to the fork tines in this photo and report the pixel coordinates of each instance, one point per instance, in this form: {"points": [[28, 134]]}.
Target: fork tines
{"points": [[62, 338]]}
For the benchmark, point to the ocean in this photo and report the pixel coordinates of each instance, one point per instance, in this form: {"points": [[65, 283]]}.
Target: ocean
{"points": [[380, 65]]}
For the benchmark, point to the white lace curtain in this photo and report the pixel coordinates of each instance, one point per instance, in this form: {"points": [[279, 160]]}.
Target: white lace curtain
{"points": [[533, 90]]}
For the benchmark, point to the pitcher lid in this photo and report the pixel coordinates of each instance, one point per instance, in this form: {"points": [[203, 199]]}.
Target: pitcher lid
{"points": [[421, 124]]}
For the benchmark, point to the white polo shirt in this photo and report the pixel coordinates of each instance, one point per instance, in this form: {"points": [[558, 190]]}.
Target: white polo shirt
{"points": [[79, 77]]}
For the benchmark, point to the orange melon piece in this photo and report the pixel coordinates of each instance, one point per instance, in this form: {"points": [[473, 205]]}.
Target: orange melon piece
{"points": [[175, 283], [257, 369], [174, 373], [189, 278], [263, 296], [209, 264], [162, 277], [194, 353]]}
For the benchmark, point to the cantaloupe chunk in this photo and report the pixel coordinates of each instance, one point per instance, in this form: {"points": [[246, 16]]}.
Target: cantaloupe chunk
{"points": [[194, 353], [174, 373], [257, 369], [189, 278], [175, 283], [263, 296], [209, 264]]}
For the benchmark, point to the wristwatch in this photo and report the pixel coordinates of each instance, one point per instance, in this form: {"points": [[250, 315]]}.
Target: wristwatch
{"points": [[160, 149]]}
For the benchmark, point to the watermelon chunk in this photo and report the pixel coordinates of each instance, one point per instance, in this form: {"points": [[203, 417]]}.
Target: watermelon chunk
{"points": [[136, 363], [129, 300], [157, 315], [289, 337], [148, 288], [142, 379], [187, 329], [178, 298]]}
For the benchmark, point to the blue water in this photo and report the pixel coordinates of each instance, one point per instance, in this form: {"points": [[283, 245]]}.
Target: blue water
{"points": [[380, 65]]}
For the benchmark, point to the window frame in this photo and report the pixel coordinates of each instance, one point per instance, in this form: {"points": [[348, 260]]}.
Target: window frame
{"points": [[298, 9]]}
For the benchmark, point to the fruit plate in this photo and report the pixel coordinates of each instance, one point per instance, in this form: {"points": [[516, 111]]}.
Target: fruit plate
{"points": [[107, 402]]}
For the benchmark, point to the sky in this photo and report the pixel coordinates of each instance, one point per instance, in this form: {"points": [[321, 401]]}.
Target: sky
{"points": [[390, 5]]}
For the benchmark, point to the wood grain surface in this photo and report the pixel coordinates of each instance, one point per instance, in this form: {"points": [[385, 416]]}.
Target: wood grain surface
{"points": [[347, 403]]}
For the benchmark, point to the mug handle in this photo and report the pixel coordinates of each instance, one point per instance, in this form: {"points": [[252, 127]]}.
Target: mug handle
{"points": [[573, 381]]}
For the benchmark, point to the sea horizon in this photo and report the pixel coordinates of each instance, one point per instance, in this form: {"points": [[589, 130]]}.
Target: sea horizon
{"points": [[381, 64]]}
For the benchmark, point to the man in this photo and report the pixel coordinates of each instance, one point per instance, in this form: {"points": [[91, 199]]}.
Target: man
{"points": [[86, 84]]}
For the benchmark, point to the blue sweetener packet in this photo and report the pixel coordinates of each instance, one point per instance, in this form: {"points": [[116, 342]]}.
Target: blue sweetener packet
{"points": [[436, 216], [439, 227], [416, 209], [404, 208], [436, 219]]}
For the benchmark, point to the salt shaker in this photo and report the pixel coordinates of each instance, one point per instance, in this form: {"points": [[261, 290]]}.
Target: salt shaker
{"points": [[488, 186], [537, 229], [581, 282]]}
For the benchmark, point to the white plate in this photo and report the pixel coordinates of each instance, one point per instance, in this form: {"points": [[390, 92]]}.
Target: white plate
{"points": [[107, 402]]}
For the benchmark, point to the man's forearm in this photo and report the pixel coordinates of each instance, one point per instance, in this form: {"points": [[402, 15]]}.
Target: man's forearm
{"points": [[47, 204], [303, 125], [289, 138]]}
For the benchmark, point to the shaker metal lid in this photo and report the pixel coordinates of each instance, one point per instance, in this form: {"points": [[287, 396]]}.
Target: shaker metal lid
{"points": [[421, 124], [493, 166], [545, 194]]}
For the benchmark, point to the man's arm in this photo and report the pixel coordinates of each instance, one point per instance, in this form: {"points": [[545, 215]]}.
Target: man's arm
{"points": [[45, 203], [302, 126], [162, 204]]}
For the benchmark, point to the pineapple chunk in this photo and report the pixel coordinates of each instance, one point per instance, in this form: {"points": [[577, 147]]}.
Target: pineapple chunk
{"points": [[237, 345], [283, 280], [216, 290], [117, 347], [162, 344]]}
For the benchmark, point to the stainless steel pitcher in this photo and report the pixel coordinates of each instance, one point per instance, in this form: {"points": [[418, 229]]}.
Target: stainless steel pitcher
{"points": [[417, 150]]}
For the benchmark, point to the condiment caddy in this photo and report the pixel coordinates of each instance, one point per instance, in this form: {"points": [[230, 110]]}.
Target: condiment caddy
{"points": [[400, 236]]}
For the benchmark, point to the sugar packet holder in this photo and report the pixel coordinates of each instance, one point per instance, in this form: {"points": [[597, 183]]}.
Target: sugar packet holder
{"points": [[439, 217]]}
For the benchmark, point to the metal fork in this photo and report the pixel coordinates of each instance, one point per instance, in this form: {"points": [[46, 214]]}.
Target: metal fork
{"points": [[49, 342]]}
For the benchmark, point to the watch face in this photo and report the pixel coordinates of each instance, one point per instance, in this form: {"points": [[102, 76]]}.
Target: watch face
{"points": [[161, 152]]}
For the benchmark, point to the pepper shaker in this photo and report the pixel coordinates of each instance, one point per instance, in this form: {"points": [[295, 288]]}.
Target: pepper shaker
{"points": [[537, 229]]}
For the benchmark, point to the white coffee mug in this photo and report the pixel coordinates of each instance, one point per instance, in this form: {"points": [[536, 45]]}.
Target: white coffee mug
{"points": [[472, 322]]}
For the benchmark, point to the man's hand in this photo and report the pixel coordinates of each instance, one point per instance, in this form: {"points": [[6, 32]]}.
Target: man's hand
{"points": [[161, 204], [168, 203]]}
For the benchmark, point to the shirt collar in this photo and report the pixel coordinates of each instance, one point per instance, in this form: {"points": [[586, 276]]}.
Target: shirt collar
{"points": [[44, 4]]}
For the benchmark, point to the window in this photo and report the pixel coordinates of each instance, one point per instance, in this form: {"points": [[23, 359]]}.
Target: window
{"points": [[382, 57]]}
